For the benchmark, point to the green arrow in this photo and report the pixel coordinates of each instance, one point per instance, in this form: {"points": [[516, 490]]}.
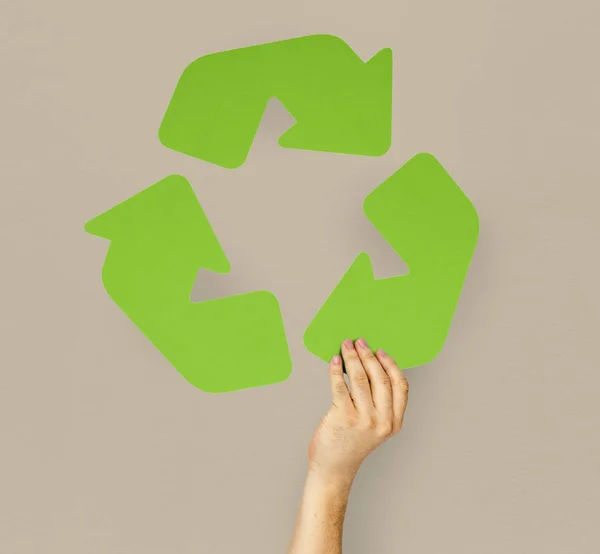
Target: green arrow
{"points": [[340, 103], [433, 226], [159, 240]]}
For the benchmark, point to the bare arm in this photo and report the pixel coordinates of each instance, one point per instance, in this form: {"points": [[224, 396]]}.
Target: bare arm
{"points": [[361, 418]]}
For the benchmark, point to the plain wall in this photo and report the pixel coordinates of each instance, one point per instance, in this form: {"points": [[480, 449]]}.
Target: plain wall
{"points": [[106, 449]]}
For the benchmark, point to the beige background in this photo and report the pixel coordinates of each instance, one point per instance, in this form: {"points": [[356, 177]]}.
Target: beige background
{"points": [[106, 449]]}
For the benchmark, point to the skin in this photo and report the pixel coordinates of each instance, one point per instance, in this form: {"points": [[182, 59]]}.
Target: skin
{"points": [[361, 418]]}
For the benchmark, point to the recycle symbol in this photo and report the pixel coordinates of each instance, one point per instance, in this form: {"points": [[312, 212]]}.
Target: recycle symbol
{"points": [[160, 237]]}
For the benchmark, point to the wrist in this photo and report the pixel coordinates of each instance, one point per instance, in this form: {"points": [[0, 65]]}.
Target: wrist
{"points": [[331, 479]]}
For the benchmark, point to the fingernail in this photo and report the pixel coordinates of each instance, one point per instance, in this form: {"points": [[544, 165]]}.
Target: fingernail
{"points": [[363, 343], [348, 344], [382, 352], [336, 360]]}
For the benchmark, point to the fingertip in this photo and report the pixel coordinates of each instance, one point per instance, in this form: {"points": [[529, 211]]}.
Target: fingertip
{"points": [[388, 363], [384, 357], [348, 344], [335, 366]]}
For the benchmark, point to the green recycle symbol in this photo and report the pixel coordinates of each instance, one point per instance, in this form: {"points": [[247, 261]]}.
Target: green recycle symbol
{"points": [[160, 237]]}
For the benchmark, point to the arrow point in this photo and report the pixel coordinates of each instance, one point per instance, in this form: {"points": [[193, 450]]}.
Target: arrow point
{"points": [[379, 106], [139, 211], [361, 270], [336, 319], [355, 282], [167, 214], [358, 275], [97, 227], [381, 64], [358, 116]]}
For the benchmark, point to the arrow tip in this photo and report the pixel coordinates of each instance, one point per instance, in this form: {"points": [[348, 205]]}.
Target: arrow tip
{"points": [[357, 116], [149, 210], [338, 318], [165, 217], [97, 227]]}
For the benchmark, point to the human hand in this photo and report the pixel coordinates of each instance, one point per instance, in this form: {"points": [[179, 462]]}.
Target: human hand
{"points": [[362, 417]]}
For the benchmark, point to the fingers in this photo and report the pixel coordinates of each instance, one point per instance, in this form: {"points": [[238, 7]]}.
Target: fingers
{"points": [[399, 385], [360, 389], [339, 390], [380, 381]]}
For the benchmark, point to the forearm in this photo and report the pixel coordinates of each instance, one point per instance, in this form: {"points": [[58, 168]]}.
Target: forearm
{"points": [[320, 519], [358, 421]]}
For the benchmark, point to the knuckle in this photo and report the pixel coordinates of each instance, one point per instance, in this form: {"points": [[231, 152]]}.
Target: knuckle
{"points": [[337, 371], [399, 379], [350, 352], [351, 355], [384, 379], [384, 429], [369, 422], [394, 373], [391, 365], [367, 354], [361, 379], [340, 388]]}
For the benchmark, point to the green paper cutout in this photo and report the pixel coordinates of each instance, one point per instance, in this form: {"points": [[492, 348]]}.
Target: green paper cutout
{"points": [[159, 240], [340, 103], [434, 227]]}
